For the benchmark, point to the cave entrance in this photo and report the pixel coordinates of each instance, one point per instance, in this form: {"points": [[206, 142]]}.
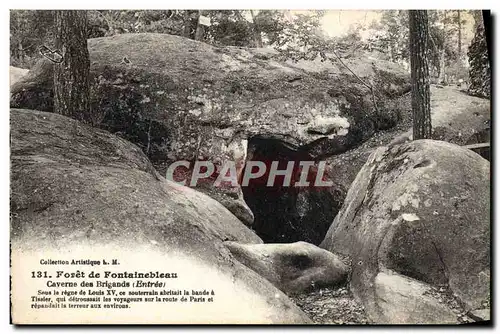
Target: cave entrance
{"points": [[287, 214]]}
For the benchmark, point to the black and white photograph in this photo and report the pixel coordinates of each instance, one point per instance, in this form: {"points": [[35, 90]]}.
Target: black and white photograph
{"points": [[250, 166]]}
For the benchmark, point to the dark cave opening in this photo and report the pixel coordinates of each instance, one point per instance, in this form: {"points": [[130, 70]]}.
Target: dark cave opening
{"points": [[286, 214]]}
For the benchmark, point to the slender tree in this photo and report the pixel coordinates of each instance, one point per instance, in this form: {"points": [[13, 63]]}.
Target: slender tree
{"points": [[477, 15], [189, 23], [442, 54], [479, 64], [200, 28], [459, 27], [256, 31], [420, 90], [71, 75]]}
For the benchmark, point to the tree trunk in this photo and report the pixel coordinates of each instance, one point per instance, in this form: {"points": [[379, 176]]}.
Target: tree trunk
{"points": [[200, 29], [187, 24], [256, 32], [71, 76], [459, 35], [442, 58], [420, 90], [20, 53], [442, 67], [487, 31], [479, 64], [478, 18]]}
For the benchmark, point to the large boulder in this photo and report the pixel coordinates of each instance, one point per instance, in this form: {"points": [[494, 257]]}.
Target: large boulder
{"points": [[200, 92], [74, 187], [293, 268], [420, 209], [399, 299], [180, 99]]}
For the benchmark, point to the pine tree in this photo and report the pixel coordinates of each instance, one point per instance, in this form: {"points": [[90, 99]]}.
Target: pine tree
{"points": [[71, 76], [479, 70], [420, 90], [459, 28]]}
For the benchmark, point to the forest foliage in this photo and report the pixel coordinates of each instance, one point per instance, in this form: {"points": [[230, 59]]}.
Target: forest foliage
{"points": [[297, 36]]}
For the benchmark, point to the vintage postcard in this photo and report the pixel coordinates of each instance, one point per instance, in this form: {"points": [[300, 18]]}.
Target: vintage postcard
{"points": [[250, 167]]}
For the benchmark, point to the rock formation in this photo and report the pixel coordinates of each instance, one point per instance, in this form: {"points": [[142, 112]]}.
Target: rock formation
{"points": [[179, 99], [422, 210], [75, 186]]}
